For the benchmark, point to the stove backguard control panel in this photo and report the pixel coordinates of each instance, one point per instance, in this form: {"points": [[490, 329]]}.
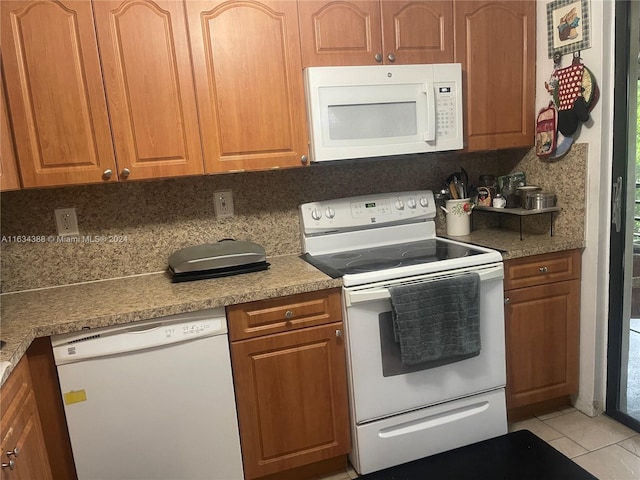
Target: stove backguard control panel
{"points": [[381, 209]]}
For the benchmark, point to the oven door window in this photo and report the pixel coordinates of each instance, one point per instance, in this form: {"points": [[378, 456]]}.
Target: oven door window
{"points": [[390, 351]]}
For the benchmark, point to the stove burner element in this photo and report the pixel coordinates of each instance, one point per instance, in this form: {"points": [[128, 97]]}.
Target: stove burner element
{"points": [[389, 251], [345, 255], [420, 255], [372, 264]]}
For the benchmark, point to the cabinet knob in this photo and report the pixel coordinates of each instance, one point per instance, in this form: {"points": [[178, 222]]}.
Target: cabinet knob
{"points": [[11, 465], [13, 452], [378, 58], [125, 173], [338, 333], [507, 301], [107, 174], [543, 269], [391, 57], [288, 314], [304, 159]]}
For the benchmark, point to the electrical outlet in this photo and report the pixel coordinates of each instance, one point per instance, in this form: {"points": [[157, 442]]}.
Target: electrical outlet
{"points": [[66, 221], [223, 203]]}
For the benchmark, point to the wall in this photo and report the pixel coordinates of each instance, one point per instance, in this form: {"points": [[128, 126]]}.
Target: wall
{"points": [[597, 134]]}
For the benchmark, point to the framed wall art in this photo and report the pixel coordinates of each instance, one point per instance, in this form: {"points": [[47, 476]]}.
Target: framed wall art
{"points": [[567, 26]]}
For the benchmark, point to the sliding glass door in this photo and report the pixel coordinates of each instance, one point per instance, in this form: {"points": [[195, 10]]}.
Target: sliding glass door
{"points": [[623, 359]]}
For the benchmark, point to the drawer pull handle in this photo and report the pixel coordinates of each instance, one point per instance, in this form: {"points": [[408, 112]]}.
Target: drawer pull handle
{"points": [[15, 452], [288, 314], [339, 333], [544, 269], [507, 301], [11, 465]]}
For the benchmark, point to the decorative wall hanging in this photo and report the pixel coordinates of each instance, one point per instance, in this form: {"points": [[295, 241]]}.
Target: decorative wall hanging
{"points": [[567, 26]]}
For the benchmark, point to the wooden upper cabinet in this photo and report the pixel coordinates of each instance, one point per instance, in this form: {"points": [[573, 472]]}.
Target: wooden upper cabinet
{"points": [[340, 33], [144, 47], [9, 177], [417, 31], [496, 44], [374, 32], [55, 91], [249, 87]]}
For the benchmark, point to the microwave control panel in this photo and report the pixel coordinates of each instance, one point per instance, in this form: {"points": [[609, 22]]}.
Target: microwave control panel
{"points": [[446, 111]]}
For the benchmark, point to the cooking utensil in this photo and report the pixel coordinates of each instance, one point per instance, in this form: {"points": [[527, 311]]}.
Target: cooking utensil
{"points": [[453, 188]]}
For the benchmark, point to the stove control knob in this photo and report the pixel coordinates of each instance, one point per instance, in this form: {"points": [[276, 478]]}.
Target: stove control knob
{"points": [[424, 202], [316, 214], [330, 212], [399, 204], [411, 203]]}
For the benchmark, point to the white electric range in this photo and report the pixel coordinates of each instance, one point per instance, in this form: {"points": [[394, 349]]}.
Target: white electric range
{"points": [[403, 412]]}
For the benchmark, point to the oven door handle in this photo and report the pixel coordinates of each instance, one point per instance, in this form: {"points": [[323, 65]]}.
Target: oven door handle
{"points": [[359, 296]]}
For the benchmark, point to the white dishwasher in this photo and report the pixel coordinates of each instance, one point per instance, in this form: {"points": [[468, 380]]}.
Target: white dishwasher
{"points": [[152, 400]]}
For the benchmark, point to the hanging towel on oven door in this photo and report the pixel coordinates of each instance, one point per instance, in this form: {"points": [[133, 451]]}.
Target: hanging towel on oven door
{"points": [[437, 321]]}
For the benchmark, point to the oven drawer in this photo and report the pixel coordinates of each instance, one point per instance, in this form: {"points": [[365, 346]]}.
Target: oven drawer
{"points": [[265, 317], [542, 269], [421, 433]]}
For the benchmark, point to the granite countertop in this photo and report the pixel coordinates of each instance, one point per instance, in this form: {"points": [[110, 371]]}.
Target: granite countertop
{"points": [[40, 313], [508, 242], [51, 311]]}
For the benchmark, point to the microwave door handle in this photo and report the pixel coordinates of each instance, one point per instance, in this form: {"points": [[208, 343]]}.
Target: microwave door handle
{"points": [[430, 134]]}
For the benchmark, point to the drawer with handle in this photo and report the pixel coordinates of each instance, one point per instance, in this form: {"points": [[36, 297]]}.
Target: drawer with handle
{"points": [[265, 317], [541, 269]]}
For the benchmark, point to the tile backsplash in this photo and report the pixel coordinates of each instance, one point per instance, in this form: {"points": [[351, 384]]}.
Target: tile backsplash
{"points": [[135, 226]]}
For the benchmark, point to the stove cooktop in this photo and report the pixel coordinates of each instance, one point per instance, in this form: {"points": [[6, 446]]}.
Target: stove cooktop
{"points": [[377, 259]]}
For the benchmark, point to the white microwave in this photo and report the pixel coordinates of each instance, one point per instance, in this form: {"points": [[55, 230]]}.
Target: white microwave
{"points": [[383, 110]]}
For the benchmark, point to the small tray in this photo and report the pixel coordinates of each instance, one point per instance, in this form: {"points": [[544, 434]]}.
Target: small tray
{"points": [[521, 212]]}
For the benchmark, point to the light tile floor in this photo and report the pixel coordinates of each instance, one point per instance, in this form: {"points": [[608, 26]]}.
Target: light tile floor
{"points": [[600, 445]]}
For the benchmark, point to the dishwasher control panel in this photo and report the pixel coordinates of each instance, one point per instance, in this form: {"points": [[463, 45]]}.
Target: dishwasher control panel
{"points": [[101, 342]]}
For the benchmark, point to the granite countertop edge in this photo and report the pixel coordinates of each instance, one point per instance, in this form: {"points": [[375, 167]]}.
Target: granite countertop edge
{"points": [[51, 311]]}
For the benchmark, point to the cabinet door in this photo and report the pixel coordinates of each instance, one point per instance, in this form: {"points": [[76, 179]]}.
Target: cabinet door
{"points": [[249, 85], [20, 429], [417, 31], [291, 391], [340, 33], [9, 178], [147, 72], [55, 91], [496, 45], [542, 338]]}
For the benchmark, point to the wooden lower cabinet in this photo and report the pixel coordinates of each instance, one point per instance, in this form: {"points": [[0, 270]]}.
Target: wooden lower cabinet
{"points": [[24, 454], [291, 393], [542, 322]]}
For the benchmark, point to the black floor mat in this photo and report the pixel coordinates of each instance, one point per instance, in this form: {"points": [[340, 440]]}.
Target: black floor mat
{"points": [[515, 456]]}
